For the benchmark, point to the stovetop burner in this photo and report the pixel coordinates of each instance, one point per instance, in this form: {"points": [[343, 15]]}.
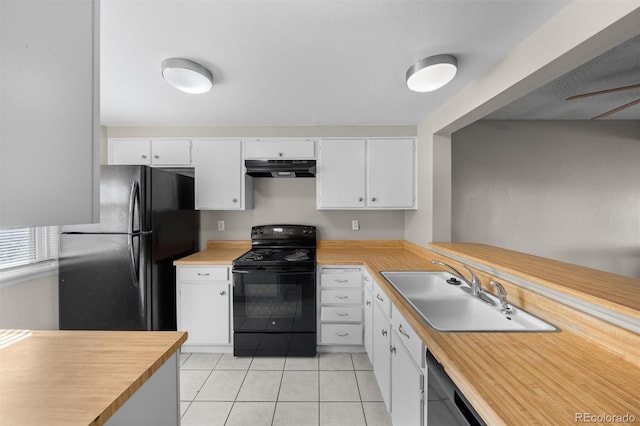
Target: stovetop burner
{"points": [[297, 255], [255, 255], [280, 245]]}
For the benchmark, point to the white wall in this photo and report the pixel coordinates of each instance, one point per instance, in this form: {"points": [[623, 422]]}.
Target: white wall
{"points": [[284, 200], [596, 26], [567, 190], [31, 304]]}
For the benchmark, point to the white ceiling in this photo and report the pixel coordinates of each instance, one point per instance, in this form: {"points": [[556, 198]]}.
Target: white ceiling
{"points": [[299, 62]]}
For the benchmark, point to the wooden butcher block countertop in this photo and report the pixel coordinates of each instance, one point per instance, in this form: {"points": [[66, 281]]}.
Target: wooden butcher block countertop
{"points": [[72, 378], [217, 253], [510, 378]]}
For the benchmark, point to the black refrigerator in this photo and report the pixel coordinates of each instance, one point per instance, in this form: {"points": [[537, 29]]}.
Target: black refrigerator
{"points": [[119, 274]]}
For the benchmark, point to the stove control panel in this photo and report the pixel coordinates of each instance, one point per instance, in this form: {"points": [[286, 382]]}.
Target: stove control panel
{"points": [[284, 232]]}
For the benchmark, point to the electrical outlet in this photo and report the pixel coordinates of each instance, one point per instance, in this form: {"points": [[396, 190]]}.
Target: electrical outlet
{"points": [[355, 225], [221, 225]]}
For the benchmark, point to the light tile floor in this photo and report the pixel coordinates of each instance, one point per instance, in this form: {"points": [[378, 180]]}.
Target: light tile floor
{"points": [[330, 389]]}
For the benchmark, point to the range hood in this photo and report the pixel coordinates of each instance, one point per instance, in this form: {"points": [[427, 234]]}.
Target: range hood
{"points": [[281, 168]]}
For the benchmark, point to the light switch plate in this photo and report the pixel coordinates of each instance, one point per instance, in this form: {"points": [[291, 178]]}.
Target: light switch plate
{"points": [[221, 225], [355, 225]]}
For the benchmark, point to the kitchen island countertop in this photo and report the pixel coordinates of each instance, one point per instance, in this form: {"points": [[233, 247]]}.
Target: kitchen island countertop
{"points": [[79, 378]]}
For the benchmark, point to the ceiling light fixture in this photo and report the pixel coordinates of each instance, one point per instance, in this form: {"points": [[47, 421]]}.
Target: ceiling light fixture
{"points": [[186, 75], [431, 73]]}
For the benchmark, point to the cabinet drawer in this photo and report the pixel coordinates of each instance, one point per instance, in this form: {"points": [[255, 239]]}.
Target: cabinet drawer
{"points": [[341, 279], [341, 314], [382, 300], [341, 334], [341, 297], [203, 273], [408, 336], [280, 149]]}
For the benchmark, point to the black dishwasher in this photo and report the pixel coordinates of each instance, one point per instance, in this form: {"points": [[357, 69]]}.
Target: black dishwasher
{"points": [[446, 404]]}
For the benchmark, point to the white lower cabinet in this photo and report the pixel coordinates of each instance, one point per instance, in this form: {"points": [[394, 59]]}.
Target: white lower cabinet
{"points": [[368, 316], [397, 355], [407, 386], [340, 306], [382, 353], [407, 374], [203, 307]]}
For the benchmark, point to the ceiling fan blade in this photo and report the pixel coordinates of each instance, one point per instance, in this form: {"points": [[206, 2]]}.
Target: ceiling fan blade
{"points": [[620, 108], [602, 92]]}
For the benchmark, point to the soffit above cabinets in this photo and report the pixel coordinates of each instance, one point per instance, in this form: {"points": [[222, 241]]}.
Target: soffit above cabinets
{"points": [[618, 67]]}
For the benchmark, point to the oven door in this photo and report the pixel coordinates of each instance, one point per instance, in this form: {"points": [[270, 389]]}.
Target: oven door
{"points": [[274, 311]]}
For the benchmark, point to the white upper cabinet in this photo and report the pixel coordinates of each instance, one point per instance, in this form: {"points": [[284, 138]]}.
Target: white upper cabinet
{"points": [[391, 173], [280, 149], [152, 152], [340, 174], [366, 174], [220, 179], [50, 112]]}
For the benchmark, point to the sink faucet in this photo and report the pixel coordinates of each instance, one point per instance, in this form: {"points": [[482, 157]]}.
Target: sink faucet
{"points": [[502, 294], [475, 286]]}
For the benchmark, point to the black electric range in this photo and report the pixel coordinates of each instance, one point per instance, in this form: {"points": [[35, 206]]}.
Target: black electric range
{"points": [[274, 293]]}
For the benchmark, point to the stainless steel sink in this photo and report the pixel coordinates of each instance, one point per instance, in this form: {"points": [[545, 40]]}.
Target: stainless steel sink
{"points": [[447, 307]]}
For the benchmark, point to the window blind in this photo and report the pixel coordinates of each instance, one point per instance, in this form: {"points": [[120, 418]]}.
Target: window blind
{"points": [[24, 246]]}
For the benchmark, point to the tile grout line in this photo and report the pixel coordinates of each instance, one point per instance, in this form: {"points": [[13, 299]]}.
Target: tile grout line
{"points": [[364, 414]]}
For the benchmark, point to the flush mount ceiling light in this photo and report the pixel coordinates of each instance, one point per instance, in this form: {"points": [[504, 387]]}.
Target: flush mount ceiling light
{"points": [[186, 75], [431, 73]]}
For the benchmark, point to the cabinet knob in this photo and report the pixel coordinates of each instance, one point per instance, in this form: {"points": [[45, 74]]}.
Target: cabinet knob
{"points": [[222, 292], [368, 302], [143, 156], [280, 154], [360, 199], [373, 199], [379, 298], [392, 349], [235, 200], [156, 156], [384, 332]]}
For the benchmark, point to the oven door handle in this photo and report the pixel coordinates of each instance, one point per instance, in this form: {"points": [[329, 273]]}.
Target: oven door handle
{"points": [[277, 271]]}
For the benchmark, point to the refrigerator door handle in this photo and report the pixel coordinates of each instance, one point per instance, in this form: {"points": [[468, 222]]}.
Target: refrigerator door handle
{"points": [[134, 208], [134, 254]]}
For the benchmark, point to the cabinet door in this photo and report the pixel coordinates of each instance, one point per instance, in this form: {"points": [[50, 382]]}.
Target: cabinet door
{"points": [[340, 175], [382, 354], [219, 174], [171, 152], [204, 313], [390, 173], [129, 151], [407, 387], [49, 113], [368, 323], [301, 149]]}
